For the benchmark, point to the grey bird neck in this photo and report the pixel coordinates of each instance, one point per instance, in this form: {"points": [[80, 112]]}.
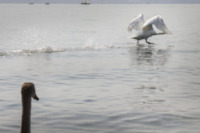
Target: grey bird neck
{"points": [[26, 114]]}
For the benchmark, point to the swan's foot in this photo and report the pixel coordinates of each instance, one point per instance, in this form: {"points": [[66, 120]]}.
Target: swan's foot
{"points": [[148, 42]]}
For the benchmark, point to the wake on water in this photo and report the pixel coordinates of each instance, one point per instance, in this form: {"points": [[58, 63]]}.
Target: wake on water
{"points": [[49, 49]]}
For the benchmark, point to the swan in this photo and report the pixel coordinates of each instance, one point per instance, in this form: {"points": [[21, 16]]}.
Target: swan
{"points": [[145, 29], [27, 91]]}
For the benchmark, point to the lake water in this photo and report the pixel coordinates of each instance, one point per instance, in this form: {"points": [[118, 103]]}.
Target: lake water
{"points": [[91, 77]]}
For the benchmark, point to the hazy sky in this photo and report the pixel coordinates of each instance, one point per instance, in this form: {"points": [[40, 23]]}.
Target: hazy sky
{"points": [[100, 1]]}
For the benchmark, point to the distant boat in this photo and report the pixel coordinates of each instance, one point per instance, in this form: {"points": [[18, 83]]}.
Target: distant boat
{"points": [[85, 2]]}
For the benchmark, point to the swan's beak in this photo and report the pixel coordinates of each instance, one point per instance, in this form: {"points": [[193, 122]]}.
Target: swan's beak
{"points": [[35, 97]]}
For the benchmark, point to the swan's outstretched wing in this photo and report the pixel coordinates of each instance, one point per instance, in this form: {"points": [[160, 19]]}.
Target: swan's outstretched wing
{"points": [[158, 22], [136, 23]]}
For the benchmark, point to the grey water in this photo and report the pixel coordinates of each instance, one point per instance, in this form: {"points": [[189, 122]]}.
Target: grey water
{"points": [[91, 77]]}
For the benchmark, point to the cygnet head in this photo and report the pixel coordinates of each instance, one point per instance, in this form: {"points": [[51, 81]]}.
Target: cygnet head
{"points": [[28, 90]]}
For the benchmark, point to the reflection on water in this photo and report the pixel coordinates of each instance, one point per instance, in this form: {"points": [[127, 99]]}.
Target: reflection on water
{"points": [[149, 54], [147, 62]]}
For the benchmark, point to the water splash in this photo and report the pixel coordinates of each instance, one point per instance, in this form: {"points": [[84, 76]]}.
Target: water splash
{"points": [[88, 46], [29, 51]]}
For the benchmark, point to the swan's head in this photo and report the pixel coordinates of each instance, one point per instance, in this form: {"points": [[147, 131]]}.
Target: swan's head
{"points": [[28, 90]]}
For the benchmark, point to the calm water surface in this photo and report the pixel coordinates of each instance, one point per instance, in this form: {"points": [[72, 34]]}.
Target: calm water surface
{"points": [[91, 78]]}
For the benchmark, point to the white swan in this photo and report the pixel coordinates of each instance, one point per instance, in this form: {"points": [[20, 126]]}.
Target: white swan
{"points": [[145, 29], [27, 91]]}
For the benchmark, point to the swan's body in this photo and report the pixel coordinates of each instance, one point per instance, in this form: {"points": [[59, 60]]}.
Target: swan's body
{"points": [[145, 29], [27, 91]]}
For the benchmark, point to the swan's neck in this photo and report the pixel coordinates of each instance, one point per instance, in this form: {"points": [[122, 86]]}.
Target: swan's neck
{"points": [[26, 114]]}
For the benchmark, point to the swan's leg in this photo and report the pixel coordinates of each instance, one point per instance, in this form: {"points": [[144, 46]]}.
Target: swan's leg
{"points": [[148, 42], [137, 41]]}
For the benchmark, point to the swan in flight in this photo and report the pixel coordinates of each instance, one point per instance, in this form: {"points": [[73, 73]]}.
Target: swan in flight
{"points": [[145, 29]]}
